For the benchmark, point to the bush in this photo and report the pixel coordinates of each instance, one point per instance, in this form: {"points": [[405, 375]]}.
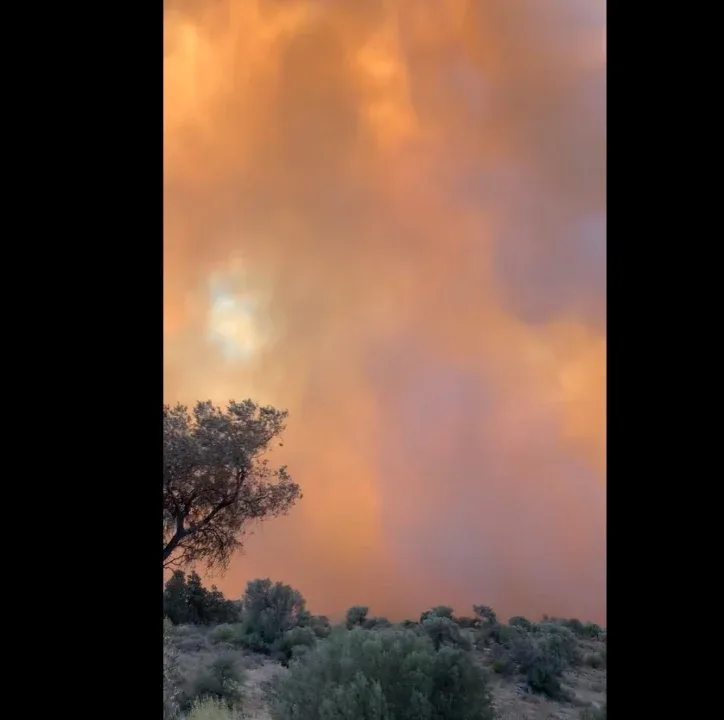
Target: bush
{"points": [[205, 675], [320, 625], [440, 611], [596, 660], [468, 622], [356, 616], [293, 643], [443, 631], [593, 631], [542, 670], [523, 623], [499, 633], [376, 623], [187, 601], [391, 674], [486, 614], [210, 709], [225, 633], [269, 610], [543, 658], [170, 676], [574, 625], [594, 713]]}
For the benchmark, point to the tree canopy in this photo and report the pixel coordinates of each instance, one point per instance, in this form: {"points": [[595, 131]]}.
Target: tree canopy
{"points": [[217, 478]]}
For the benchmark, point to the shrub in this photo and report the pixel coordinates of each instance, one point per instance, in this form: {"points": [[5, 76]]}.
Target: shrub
{"points": [[560, 641], [205, 675], [542, 671], [391, 674], [505, 666], [186, 600], [293, 642], [170, 676], [523, 623], [269, 610], [376, 623], [499, 633], [543, 657], [486, 614], [503, 663], [596, 660], [593, 631], [594, 713], [439, 610], [468, 622], [320, 625], [443, 631], [225, 633], [575, 626], [210, 709], [356, 616]]}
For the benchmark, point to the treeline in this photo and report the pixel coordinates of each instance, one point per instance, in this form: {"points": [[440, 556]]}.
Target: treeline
{"points": [[272, 619], [187, 602]]}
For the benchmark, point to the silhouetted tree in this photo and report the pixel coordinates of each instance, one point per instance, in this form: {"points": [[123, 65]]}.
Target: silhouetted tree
{"points": [[196, 599], [174, 599], [216, 478], [186, 600], [218, 609]]}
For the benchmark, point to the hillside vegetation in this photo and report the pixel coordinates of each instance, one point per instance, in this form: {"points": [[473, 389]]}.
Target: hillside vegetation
{"points": [[267, 657]]}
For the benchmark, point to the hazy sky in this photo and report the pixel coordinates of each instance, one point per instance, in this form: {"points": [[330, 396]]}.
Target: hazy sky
{"points": [[388, 216]]}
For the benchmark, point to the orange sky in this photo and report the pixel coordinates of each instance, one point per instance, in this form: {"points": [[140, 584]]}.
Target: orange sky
{"points": [[403, 202]]}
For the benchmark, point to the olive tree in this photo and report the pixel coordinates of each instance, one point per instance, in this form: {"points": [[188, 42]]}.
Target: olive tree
{"points": [[217, 478]]}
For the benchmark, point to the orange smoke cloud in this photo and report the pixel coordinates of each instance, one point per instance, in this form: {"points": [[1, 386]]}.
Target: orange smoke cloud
{"points": [[389, 218]]}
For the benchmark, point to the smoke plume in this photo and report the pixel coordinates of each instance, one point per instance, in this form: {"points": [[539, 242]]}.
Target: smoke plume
{"points": [[388, 216]]}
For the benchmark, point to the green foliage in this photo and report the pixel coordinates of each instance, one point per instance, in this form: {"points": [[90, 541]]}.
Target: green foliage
{"points": [[592, 631], [171, 677], [444, 611], [390, 674], [293, 643], [574, 625], [518, 621], [596, 660], [544, 656], [443, 631], [486, 614], [376, 623], [542, 670], [225, 633], [187, 601], [174, 599], [471, 623], [356, 616], [217, 478], [498, 633], [320, 625], [206, 675], [594, 713], [210, 709], [269, 610], [561, 643]]}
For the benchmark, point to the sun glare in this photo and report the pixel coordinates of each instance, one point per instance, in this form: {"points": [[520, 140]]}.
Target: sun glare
{"points": [[232, 324]]}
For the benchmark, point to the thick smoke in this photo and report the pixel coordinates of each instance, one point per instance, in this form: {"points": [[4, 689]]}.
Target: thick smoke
{"points": [[389, 218]]}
